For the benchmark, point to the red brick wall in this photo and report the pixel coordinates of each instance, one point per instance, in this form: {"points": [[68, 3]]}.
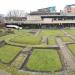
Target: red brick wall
{"points": [[70, 10], [73, 10]]}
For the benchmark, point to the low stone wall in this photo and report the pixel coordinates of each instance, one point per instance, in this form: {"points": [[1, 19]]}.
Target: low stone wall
{"points": [[69, 43], [2, 43], [48, 47], [10, 62], [30, 53]]}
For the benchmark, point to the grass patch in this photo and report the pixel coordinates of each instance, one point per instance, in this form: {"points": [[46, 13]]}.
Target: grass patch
{"points": [[20, 60], [71, 31], [12, 70], [51, 33], [72, 48], [67, 39], [8, 52], [27, 40], [44, 60], [51, 41]]}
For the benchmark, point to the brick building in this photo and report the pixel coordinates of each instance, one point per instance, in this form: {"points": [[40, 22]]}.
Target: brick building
{"points": [[70, 9]]}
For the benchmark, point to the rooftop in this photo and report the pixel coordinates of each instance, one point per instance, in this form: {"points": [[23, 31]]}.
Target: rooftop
{"points": [[69, 5]]}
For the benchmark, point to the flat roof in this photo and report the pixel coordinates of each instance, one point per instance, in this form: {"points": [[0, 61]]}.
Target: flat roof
{"points": [[58, 16]]}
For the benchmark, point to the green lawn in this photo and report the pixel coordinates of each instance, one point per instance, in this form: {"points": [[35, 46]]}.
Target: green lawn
{"points": [[8, 52], [51, 33], [19, 61], [72, 48], [2, 32], [23, 39], [51, 41], [71, 31], [41, 59], [44, 60], [67, 39], [17, 33]]}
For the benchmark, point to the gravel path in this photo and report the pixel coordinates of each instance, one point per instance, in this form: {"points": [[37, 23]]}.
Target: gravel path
{"points": [[68, 58]]}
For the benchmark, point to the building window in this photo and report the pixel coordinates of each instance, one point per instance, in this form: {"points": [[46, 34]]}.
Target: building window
{"points": [[68, 9]]}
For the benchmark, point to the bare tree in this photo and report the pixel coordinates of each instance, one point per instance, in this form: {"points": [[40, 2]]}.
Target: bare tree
{"points": [[16, 13], [1, 17]]}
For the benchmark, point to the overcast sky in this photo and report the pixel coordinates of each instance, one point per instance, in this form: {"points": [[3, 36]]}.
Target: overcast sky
{"points": [[32, 5]]}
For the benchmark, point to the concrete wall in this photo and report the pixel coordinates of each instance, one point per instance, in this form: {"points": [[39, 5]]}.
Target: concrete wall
{"points": [[47, 19], [34, 17]]}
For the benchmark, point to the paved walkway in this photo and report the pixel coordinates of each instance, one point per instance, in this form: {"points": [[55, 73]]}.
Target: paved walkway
{"points": [[37, 33], [67, 34], [20, 58], [44, 40], [4, 73], [45, 46], [67, 56]]}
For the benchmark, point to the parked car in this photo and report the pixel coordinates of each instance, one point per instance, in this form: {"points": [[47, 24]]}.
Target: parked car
{"points": [[13, 26]]}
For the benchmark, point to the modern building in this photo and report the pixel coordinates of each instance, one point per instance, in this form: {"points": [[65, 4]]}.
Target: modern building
{"points": [[46, 11], [15, 18], [70, 9], [46, 18]]}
